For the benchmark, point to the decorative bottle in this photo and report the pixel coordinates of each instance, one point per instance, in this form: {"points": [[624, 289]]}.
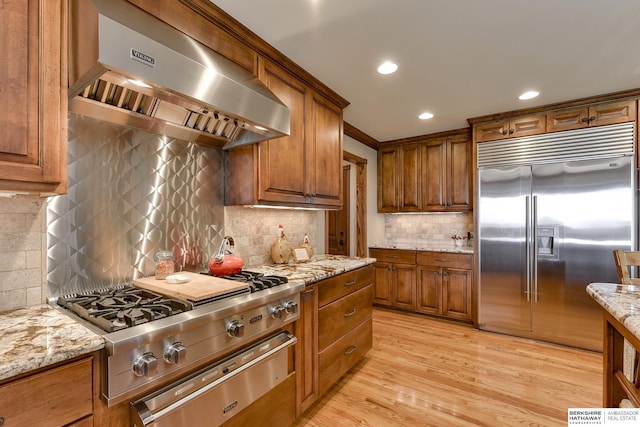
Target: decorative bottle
{"points": [[281, 249], [307, 245]]}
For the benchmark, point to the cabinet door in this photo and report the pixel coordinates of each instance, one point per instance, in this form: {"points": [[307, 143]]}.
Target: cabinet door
{"points": [[409, 176], [306, 331], [434, 173], [281, 175], [429, 290], [382, 283], [456, 294], [573, 118], [387, 184], [404, 286], [612, 112], [491, 131], [458, 176], [324, 154], [526, 126], [33, 102]]}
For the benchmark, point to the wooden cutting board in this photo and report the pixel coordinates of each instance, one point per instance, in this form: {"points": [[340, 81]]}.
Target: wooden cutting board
{"points": [[200, 287]]}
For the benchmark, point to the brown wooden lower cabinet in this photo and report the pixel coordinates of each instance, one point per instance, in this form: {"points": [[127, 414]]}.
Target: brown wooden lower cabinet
{"points": [[334, 331], [436, 283], [54, 397], [261, 413]]}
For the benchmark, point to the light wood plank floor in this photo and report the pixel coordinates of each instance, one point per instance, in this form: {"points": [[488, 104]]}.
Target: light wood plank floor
{"points": [[427, 372]]}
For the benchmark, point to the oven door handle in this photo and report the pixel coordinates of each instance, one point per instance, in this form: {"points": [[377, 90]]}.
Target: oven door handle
{"points": [[147, 416]]}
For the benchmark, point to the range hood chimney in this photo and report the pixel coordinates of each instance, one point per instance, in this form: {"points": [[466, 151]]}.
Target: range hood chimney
{"points": [[130, 68]]}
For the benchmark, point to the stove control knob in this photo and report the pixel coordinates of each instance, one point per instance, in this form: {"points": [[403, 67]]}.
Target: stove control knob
{"points": [[175, 353], [235, 329], [146, 365], [277, 311], [291, 307]]}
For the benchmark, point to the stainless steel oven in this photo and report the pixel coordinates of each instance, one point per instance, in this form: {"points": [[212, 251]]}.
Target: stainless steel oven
{"points": [[216, 393], [171, 359]]}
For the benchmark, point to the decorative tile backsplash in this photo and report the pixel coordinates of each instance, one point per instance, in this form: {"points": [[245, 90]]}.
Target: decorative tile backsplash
{"points": [[434, 229], [22, 237], [254, 230]]}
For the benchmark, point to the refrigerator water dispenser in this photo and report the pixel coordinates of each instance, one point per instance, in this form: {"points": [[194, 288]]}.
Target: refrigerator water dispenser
{"points": [[548, 240]]}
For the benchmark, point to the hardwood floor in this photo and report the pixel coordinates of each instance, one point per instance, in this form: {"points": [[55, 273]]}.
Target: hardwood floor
{"points": [[427, 372]]}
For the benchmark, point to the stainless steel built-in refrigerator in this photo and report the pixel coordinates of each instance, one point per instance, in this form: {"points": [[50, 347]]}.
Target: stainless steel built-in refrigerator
{"points": [[552, 208]]}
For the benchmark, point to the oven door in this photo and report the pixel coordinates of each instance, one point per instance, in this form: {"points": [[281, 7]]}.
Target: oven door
{"points": [[216, 393]]}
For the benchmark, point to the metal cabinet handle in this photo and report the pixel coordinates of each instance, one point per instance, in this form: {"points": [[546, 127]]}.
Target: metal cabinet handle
{"points": [[392, 256], [350, 283], [351, 350], [442, 260], [351, 313]]}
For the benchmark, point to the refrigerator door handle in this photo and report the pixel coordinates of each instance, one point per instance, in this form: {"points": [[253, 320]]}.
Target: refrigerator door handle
{"points": [[527, 246], [535, 248]]}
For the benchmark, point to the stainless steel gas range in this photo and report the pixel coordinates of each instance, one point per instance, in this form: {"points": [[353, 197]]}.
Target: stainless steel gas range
{"points": [[181, 363]]}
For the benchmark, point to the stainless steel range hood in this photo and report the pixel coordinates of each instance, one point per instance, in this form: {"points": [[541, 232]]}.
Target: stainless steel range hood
{"points": [[128, 67]]}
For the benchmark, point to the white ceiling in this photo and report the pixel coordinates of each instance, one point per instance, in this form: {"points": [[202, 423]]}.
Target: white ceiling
{"points": [[457, 58]]}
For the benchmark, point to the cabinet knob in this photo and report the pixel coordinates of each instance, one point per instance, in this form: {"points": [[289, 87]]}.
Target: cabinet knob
{"points": [[351, 313], [512, 131], [504, 132], [585, 120], [350, 350], [592, 118]]}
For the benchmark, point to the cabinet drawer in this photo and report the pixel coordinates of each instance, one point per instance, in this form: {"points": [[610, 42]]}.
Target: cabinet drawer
{"points": [[55, 397], [335, 319], [401, 256], [445, 259], [338, 286], [335, 360]]}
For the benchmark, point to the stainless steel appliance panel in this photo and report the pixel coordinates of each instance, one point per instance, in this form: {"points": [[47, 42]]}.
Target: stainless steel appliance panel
{"points": [[213, 395], [583, 211], [505, 287]]}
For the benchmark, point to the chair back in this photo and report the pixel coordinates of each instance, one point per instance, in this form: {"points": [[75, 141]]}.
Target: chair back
{"points": [[624, 260]]}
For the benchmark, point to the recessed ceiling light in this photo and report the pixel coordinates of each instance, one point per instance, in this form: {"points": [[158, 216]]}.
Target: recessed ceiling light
{"points": [[425, 116], [387, 67], [528, 95]]}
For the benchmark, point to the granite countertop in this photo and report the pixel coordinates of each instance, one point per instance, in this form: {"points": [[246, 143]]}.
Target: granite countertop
{"points": [[622, 302], [39, 336], [320, 267], [425, 247]]}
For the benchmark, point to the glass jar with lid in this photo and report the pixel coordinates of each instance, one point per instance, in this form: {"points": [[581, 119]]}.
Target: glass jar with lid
{"points": [[165, 264]]}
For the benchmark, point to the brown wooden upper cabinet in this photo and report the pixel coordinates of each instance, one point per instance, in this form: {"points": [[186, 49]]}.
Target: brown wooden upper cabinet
{"points": [[301, 169], [429, 175], [607, 113], [33, 100], [510, 128], [447, 177]]}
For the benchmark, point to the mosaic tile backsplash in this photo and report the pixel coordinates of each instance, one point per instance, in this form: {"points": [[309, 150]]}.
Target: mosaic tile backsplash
{"points": [[428, 229]]}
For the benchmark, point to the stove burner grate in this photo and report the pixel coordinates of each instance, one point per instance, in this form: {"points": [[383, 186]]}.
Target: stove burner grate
{"points": [[257, 281], [123, 307]]}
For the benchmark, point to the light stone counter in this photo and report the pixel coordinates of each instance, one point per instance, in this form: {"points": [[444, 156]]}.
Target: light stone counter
{"points": [[425, 247], [622, 302], [39, 336], [318, 268]]}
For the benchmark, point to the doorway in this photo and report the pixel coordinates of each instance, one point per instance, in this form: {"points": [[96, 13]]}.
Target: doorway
{"points": [[338, 222], [357, 223]]}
